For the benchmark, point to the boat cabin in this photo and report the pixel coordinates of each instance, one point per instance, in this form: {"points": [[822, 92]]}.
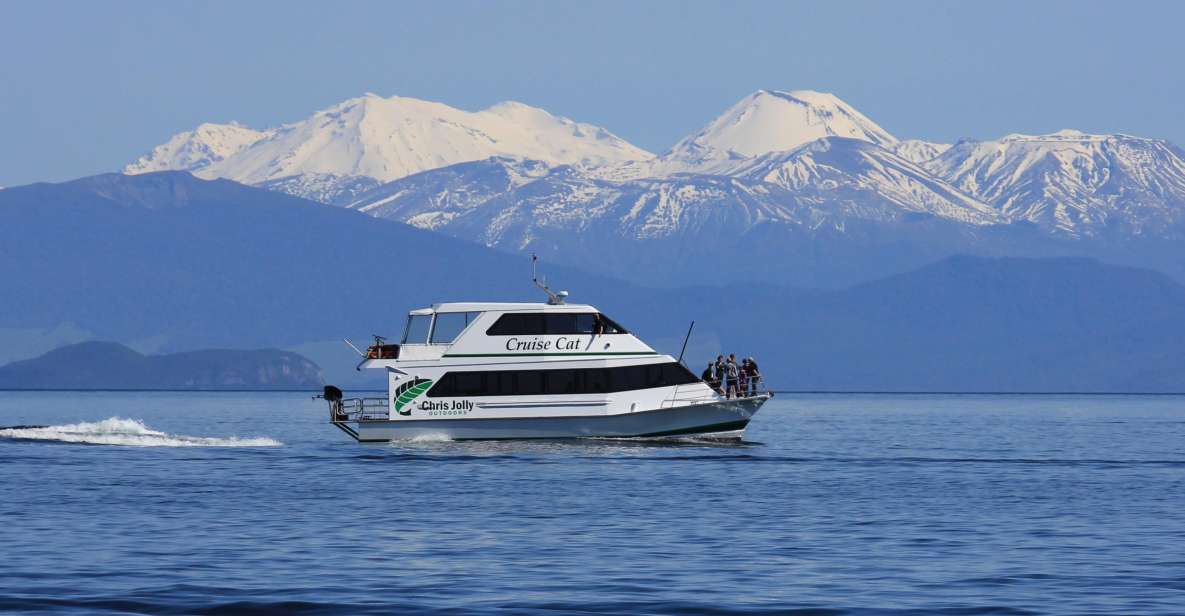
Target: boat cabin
{"points": [[505, 330]]}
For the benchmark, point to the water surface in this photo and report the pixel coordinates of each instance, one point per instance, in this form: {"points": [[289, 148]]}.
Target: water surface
{"points": [[201, 502]]}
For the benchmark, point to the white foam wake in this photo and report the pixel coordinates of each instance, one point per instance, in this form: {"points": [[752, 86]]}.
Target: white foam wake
{"points": [[431, 437], [132, 432]]}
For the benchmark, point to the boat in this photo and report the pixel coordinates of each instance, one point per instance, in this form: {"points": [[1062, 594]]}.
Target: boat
{"points": [[488, 370]]}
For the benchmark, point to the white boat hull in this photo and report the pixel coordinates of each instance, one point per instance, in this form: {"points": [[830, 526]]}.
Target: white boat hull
{"points": [[705, 418]]}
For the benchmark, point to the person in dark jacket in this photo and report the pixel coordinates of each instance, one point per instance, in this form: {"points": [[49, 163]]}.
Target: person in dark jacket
{"points": [[709, 376], [754, 375], [721, 375]]}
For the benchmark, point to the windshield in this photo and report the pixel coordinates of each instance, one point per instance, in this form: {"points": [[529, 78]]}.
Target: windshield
{"points": [[449, 325], [417, 328]]}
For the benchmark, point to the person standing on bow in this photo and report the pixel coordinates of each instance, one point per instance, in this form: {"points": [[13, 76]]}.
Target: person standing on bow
{"points": [[709, 376], [743, 382], [721, 376], [754, 375], [734, 374]]}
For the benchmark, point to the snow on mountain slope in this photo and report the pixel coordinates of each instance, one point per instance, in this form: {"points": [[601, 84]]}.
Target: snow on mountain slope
{"points": [[323, 187], [513, 203], [1072, 183], [432, 199], [795, 157], [389, 138], [197, 149], [767, 121], [918, 151], [559, 140], [567, 204], [824, 186], [833, 164]]}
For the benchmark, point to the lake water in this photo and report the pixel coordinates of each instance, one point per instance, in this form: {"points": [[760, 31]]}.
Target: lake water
{"points": [[833, 505]]}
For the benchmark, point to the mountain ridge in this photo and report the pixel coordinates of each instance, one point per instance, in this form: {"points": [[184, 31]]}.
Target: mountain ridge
{"points": [[1073, 183], [194, 264], [388, 138], [111, 365], [798, 168]]}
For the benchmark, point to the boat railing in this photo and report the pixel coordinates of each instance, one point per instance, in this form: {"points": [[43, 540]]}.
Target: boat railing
{"points": [[357, 409], [753, 389]]}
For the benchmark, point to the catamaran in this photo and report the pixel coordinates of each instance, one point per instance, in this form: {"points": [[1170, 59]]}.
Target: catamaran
{"points": [[532, 370]]}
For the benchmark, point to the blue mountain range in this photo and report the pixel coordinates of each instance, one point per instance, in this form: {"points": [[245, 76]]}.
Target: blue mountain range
{"points": [[166, 262]]}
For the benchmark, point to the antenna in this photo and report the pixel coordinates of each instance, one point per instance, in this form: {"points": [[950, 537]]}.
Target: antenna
{"points": [[685, 339], [356, 349], [555, 299]]}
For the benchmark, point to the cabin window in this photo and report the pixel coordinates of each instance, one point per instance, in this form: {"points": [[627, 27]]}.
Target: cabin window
{"points": [[449, 325], [610, 326], [560, 382], [526, 383], [469, 383], [596, 381], [553, 323], [417, 328]]}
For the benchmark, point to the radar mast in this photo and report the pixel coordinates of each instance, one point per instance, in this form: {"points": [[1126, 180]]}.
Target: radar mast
{"points": [[553, 298]]}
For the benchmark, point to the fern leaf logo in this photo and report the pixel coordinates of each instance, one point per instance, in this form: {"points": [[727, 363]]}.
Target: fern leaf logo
{"points": [[409, 391]]}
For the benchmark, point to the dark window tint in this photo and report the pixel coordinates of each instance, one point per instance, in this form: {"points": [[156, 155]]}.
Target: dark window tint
{"points": [[470, 383], [541, 324], [596, 381], [559, 382], [526, 382]]}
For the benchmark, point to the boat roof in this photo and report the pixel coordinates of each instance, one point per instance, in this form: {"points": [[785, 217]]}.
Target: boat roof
{"points": [[503, 306]]}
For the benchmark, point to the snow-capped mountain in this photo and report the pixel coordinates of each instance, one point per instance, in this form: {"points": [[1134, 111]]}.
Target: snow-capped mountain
{"points": [[784, 164], [388, 138], [195, 150], [767, 121], [1072, 183], [797, 162]]}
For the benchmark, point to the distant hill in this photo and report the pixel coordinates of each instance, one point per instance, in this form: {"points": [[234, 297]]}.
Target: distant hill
{"points": [[109, 365]]}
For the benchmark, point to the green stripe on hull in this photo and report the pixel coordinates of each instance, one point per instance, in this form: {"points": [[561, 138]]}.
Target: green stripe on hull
{"points": [[720, 427]]}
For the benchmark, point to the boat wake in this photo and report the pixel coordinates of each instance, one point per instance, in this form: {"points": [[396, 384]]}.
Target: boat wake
{"points": [[130, 432], [430, 438]]}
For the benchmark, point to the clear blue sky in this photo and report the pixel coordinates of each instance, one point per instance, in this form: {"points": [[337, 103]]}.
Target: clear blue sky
{"points": [[86, 87]]}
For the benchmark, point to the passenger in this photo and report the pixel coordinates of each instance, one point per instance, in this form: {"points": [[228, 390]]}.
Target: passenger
{"points": [[709, 376], [746, 377], [733, 372], [743, 374], [754, 375], [721, 375]]}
